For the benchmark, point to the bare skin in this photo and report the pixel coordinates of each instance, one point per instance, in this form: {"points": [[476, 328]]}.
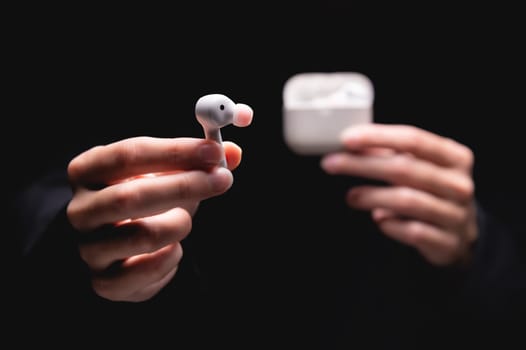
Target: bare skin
{"points": [[428, 201], [133, 203]]}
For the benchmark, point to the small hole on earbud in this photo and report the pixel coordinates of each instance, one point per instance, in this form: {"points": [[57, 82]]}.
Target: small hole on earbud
{"points": [[222, 107]]}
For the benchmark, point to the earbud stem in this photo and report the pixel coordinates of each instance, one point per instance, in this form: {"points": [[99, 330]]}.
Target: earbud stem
{"points": [[215, 134]]}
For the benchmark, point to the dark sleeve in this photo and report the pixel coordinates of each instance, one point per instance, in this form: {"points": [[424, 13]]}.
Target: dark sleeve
{"points": [[496, 284], [36, 206], [51, 271], [53, 278]]}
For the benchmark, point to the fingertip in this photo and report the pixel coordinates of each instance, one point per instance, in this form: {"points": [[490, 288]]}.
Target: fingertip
{"points": [[351, 134], [243, 115], [233, 154], [221, 179], [230, 147], [330, 163]]}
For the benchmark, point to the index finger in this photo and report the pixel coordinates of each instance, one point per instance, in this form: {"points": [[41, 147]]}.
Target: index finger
{"points": [[406, 138], [141, 155]]}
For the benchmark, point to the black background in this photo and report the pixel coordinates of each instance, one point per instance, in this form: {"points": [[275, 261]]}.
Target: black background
{"points": [[92, 75]]}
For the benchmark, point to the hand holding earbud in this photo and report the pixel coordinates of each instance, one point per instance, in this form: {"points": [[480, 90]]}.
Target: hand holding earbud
{"points": [[215, 111]]}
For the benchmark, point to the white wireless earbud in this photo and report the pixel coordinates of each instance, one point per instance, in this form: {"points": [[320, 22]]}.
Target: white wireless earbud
{"points": [[213, 112]]}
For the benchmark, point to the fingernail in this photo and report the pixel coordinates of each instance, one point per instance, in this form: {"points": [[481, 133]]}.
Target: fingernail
{"points": [[210, 153]]}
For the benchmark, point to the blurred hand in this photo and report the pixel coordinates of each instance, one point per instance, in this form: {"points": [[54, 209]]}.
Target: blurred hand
{"points": [[428, 201]]}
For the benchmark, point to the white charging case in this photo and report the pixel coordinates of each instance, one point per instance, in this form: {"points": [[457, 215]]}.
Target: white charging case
{"points": [[318, 106]]}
